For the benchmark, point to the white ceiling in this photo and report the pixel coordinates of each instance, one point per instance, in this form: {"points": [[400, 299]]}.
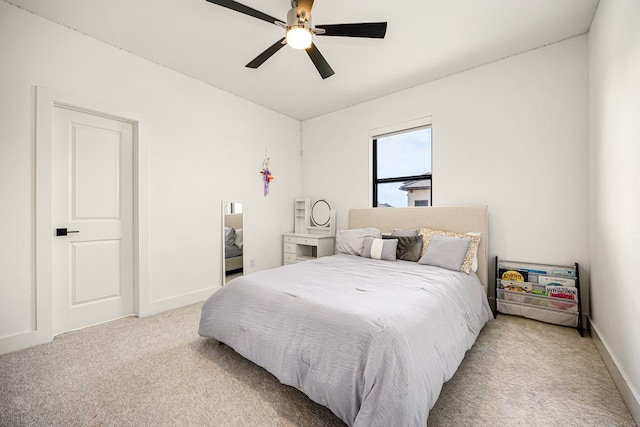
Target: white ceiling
{"points": [[425, 40]]}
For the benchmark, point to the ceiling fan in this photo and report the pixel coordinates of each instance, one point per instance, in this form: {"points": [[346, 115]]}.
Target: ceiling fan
{"points": [[300, 31]]}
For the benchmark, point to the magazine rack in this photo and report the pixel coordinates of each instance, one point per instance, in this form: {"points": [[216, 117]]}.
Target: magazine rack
{"points": [[546, 292]]}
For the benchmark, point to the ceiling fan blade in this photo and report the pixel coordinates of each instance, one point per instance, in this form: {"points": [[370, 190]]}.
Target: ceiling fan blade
{"points": [[318, 60], [373, 30], [234, 5], [305, 5], [259, 60]]}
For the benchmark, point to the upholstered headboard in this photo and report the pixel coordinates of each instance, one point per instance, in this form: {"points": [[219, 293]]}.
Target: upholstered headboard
{"points": [[461, 219]]}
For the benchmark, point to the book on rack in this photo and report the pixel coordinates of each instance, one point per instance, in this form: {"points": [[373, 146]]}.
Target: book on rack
{"points": [[567, 292], [514, 275], [537, 289], [523, 287], [564, 272], [556, 281], [519, 272]]}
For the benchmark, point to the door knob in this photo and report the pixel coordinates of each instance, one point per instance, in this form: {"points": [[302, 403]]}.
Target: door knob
{"points": [[64, 231]]}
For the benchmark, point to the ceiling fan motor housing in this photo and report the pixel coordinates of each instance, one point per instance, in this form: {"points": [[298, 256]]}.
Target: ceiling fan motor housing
{"points": [[295, 21]]}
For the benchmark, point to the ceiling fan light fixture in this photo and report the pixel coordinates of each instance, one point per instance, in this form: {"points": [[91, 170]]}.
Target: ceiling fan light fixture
{"points": [[299, 37]]}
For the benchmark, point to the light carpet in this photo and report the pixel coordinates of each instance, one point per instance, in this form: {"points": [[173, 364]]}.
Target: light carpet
{"points": [[157, 371]]}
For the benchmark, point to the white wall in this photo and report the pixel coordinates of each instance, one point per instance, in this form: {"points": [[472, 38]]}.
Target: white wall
{"points": [[205, 146], [614, 90], [511, 135]]}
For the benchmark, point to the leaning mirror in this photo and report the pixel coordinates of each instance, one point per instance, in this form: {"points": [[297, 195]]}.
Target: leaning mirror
{"points": [[232, 241], [321, 213]]}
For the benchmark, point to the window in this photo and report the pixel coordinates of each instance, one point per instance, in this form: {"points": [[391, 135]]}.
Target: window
{"points": [[402, 168]]}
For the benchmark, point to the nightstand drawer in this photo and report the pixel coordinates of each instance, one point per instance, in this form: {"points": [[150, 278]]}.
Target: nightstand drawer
{"points": [[303, 247], [307, 241]]}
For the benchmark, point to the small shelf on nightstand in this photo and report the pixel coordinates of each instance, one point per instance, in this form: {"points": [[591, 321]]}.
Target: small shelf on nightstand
{"points": [[302, 209]]}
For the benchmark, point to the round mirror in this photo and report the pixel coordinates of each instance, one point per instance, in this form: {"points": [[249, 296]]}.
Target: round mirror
{"points": [[321, 213]]}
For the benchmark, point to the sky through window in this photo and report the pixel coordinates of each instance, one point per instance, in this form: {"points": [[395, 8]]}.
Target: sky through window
{"points": [[403, 154]]}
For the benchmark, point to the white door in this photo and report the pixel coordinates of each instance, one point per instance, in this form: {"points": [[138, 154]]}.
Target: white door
{"points": [[92, 199]]}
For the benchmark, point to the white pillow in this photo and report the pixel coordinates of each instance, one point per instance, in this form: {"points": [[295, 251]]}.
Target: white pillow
{"points": [[352, 241], [380, 249]]}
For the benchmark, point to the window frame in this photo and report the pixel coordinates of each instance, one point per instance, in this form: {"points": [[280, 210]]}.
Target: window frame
{"points": [[374, 159]]}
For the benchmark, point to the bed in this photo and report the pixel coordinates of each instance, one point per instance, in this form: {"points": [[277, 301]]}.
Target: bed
{"points": [[373, 340], [233, 243]]}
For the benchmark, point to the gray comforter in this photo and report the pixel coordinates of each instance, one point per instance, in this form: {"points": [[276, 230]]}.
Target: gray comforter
{"points": [[371, 340], [232, 251]]}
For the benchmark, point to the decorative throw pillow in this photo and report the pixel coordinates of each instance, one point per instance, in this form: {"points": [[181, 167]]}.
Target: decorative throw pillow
{"points": [[409, 247], [229, 236], [474, 264], [427, 233], [380, 248], [352, 241], [446, 252]]}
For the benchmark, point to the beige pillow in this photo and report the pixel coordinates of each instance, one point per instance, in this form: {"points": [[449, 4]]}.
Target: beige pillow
{"points": [[426, 234]]}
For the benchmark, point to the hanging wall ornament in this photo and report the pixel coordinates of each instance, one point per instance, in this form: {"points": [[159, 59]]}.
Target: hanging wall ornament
{"points": [[266, 174]]}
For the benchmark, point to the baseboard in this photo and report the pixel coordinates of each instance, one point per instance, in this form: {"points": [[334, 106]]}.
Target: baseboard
{"points": [[631, 398], [166, 304], [23, 340]]}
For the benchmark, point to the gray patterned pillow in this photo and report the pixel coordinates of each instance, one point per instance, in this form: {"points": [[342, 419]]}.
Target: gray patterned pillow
{"points": [[409, 247], [380, 248]]}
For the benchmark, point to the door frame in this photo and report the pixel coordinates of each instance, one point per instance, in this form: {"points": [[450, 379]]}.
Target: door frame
{"points": [[46, 101]]}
